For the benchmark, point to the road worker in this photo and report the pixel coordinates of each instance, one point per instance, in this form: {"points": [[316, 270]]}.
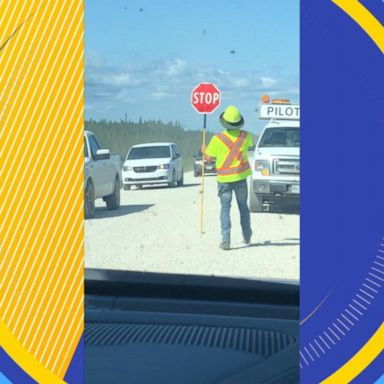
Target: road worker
{"points": [[230, 151]]}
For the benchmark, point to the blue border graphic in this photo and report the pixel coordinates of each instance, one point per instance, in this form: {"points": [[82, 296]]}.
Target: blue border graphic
{"points": [[342, 219]]}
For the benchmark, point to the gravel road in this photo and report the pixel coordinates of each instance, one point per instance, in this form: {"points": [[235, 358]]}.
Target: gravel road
{"points": [[157, 229]]}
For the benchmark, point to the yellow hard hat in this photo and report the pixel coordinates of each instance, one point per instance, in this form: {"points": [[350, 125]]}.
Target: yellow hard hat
{"points": [[231, 118]]}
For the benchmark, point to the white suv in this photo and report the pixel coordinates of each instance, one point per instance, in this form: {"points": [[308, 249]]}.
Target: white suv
{"points": [[153, 163]]}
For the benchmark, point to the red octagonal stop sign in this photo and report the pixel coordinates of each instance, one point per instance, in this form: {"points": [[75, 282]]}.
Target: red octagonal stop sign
{"points": [[205, 97]]}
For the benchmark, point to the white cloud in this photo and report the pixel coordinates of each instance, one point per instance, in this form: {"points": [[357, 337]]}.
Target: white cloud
{"points": [[94, 59], [268, 82], [173, 78], [160, 95], [176, 67]]}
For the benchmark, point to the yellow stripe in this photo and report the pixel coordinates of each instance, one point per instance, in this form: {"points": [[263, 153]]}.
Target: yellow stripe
{"points": [[37, 84], [360, 361], [61, 309], [48, 193], [24, 359], [48, 271], [365, 19], [15, 15], [79, 331], [41, 156], [45, 186], [13, 207]]}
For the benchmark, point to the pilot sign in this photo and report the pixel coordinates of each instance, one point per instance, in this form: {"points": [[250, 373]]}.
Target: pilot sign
{"points": [[279, 111]]}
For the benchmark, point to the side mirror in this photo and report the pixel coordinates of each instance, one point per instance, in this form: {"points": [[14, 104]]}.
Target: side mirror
{"points": [[177, 155], [102, 154]]}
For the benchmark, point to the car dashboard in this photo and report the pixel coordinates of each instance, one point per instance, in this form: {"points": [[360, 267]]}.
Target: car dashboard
{"points": [[156, 328]]}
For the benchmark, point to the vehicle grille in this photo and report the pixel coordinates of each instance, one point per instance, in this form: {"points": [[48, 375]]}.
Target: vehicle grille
{"points": [[286, 166], [151, 168]]}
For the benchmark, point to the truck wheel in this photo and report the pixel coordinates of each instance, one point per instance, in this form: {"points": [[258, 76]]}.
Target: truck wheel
{"points": [[180, 183], [89, 201], [255, 201], [113, 201]]}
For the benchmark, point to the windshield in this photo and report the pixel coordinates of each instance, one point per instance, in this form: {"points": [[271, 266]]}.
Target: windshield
{"points": [[155, 152], [281, 137], [146, 72]]}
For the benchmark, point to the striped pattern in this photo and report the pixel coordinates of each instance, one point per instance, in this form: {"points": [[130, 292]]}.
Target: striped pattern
{"points": [[234, 148], [256, 341], [41, 191], [234, 152], [231, 146], [350, 315], [365, 19]]}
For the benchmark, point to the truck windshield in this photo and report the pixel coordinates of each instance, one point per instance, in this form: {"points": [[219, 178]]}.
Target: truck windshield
{"points": [[155, 152], [280, 137]]}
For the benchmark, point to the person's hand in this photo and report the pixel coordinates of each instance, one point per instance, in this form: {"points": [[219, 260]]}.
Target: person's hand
{"points": [[203, 148]]}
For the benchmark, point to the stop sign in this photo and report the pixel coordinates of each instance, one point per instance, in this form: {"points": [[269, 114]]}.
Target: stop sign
{"points": [[205, 98]]}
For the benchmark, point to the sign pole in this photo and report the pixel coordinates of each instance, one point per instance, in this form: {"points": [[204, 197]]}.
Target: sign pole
{"points": [[205, 98], [202, 179]]}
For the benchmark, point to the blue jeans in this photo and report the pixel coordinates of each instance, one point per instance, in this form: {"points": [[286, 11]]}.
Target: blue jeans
{"points": [[225, 193]]}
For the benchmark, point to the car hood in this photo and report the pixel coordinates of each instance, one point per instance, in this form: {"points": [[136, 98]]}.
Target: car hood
{"points": [[147, 162], [277, 151]]}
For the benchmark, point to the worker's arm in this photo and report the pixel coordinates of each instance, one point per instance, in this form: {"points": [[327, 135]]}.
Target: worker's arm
{"points": [[206, 157], [250, 141]]}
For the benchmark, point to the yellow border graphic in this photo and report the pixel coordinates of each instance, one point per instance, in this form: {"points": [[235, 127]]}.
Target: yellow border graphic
{"points": [[360, 361], [365, 19], [2, 46], [41, 189], [24, 359], [369, 352]]}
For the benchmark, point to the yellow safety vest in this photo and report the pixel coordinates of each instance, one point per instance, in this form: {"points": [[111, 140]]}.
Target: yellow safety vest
{"points": [[230, 148]]}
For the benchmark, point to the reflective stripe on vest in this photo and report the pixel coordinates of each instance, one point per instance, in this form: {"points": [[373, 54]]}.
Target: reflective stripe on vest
{"points": [[231, 146], [232, 171], [234, 152]]}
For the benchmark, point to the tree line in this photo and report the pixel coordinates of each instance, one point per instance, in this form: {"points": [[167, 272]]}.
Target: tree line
{"points": [[119, 136]]}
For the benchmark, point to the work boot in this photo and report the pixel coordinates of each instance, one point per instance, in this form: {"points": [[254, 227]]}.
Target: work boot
{"points": [[225, 245]]}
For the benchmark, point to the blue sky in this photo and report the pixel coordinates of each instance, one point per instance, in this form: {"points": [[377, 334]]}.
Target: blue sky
{"points": [[144, 57]]}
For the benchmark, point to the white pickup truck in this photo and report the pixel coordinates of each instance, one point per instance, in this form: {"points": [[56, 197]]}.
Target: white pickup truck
{"points": [[102, 175], [276, 160]]}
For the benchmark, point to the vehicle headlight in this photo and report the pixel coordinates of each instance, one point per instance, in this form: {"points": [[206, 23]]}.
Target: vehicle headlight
{"points": [[127, 168], [164, 166], [263, 167]]}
